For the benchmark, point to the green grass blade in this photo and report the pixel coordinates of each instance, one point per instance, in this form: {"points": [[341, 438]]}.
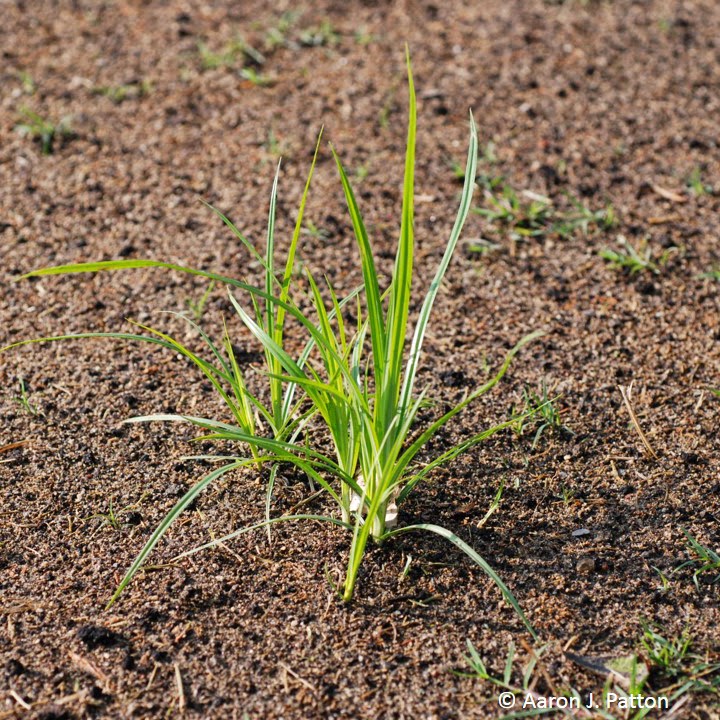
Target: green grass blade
{"points": [[269, 320], [88, 335], [376, 316], [206, 339], [279, 310], [313, 387], [462, 545], [309, 345], [114, 265], [289, 451], [250, 247], [268, 497], [243, 402], [290, 263], [270, 254], [423, 319], [399, 304], [210, 372], [169, 519]]}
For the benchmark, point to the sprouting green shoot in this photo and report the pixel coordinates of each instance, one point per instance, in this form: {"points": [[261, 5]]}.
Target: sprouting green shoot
{"points": [[322, 34], [28, 84], [712, 274], [531, 215], [128, 91], [664, 653], [479, 670], [253, 76], [538, 411], [24, 401], [277, 36], [522, 215], [697, 186], [630, 259], [197, 307], [703, 561], [42, 130]]}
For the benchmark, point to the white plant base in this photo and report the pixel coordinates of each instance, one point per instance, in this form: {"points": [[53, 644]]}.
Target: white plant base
{"points": [[391, 512]]}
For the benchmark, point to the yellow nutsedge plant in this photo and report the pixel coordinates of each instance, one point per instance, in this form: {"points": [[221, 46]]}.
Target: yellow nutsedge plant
{"points": [[368, 405]]}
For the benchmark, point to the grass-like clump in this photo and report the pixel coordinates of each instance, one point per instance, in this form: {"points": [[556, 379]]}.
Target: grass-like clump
{"points": [[42, 130], [354, 380]]}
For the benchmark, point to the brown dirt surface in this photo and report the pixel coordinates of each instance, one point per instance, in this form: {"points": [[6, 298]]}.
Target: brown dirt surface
{"points": [[605, 102]]}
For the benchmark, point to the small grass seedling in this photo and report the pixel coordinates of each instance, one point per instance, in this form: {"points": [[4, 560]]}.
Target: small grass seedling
{"points": [[663, 672], [273, 146], [540, 412], [530, 215], [118, 519], [28, 84], [712, 274], [129, 91], [24, 401], [43, 131], [479, 670], [277, 36], [313, 231], [567, 494], [361, 172], [231, 54], [629, 259], [481, 246], [582, 218], [197, 307], [665, 582], [256, 78], [323, 34], [696, 184], [666, 655], [363, 37], [212, 59], [522, 215], [704, 560]]}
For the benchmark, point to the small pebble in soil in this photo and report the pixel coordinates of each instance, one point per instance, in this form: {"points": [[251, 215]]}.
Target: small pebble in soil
{"points": [[585, 566]]}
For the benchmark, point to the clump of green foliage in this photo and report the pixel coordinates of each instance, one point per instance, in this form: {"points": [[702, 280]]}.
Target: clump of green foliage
{"points": [[23, 400], [633, 260], [43, 131], [528, 214], [229, 56], [317, 35], [357, 381], [704, 561], [127, 91], [538, 412], [697, 186]]}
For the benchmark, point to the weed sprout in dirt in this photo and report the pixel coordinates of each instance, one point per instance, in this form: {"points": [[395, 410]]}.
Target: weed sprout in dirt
{"points": [[358, 382]]}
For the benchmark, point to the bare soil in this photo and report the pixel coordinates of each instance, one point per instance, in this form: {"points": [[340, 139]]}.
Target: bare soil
{"points": [[609, 102]]}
